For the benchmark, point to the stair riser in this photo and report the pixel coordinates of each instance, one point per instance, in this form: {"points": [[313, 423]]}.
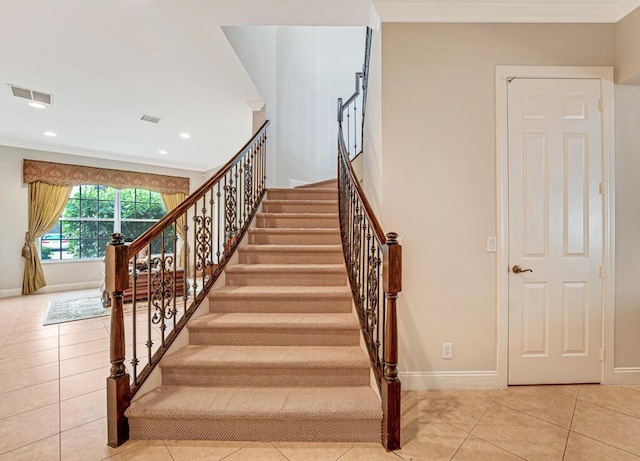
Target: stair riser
{"points": [[284, 429], [300, 208], [249, 257], [265, 377], [294, 239], [271, 305], [274, 337], [302, 194], [286, 279], [305, 223]]}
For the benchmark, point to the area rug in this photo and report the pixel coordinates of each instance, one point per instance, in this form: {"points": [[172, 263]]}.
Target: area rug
{"points": [[68, 310]]}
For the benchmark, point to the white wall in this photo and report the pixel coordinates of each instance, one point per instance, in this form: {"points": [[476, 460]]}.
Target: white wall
{"points": [[14, 220], [311, 68]]}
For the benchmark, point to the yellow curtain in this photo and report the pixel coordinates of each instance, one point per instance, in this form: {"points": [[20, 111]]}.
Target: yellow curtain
{"points": [[170, 202], [46, 204]]}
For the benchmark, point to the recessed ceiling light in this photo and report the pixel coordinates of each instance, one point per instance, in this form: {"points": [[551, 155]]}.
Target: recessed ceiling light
{"points": [[37, 105], [51, 134], [185, 135], [162, 152]]}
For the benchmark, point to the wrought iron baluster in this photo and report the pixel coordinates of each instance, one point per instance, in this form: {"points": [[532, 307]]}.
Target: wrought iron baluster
{"points": [[149, 342], [134, 320]]}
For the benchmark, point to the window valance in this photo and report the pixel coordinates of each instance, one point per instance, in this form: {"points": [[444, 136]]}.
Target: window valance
{"points": [[62, 174]]}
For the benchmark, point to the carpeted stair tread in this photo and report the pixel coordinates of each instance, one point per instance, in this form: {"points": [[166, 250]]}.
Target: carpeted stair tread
{"points": [[301, 201], [293, 321], [299, 215], [181, 402], [255, 357], [286, 268], [291, 248], [285, 292]]}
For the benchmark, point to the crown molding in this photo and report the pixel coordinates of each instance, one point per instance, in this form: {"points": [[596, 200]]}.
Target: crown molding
{"points": [[504, 11]]}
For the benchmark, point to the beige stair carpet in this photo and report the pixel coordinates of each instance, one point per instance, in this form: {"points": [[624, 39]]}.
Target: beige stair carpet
{"points": [[278, 356]]}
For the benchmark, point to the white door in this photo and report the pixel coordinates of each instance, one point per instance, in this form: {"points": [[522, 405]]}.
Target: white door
{"points": [[555, 231]]}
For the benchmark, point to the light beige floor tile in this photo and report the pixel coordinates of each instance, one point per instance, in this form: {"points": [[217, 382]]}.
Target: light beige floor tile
{"points": [[436, 441], [635, 387], [540, 402], [28, 377], [83, 383], [13, 350], [81, 325], [85, 363], [460, 408], [616, 398], [32, 336], [409, 417], [307, 451], [22, 362], [522, 435], [83, 337], [257, 451], [475, 449], [84, 409], [153, 450], [89, 442], [78, 350], [369, 452], [26, 428], [47, 449], [607, 426], [568, 390], [27, 326], [581, 448], [201, 450], [28, 398]]}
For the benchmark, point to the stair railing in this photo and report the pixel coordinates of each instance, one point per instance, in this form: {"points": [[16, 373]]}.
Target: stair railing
{"points": [[167, 272], [351, 112], [374, 264]]}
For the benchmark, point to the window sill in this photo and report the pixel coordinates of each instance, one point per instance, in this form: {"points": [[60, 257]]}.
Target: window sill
{"points": [[64, 261]]}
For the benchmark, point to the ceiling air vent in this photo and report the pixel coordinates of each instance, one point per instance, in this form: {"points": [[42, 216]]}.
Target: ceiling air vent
{"points": [[32, 95], [150, 118]]}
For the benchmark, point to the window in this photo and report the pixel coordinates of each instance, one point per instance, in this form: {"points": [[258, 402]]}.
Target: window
{"points": [[93, 213]]}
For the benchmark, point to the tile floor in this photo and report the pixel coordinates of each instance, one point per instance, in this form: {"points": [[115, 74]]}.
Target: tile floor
{"points": [[52, 407]]}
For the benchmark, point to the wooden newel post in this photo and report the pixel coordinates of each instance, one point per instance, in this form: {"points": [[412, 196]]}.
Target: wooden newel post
{"points": [[116, 281], [391, 391]]}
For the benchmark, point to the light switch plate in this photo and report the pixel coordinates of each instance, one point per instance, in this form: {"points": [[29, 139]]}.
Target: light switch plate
{"points": [[492, 244]]}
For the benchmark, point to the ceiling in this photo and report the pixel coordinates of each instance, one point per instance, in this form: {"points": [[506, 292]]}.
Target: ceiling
{"points": [[106, 63]]}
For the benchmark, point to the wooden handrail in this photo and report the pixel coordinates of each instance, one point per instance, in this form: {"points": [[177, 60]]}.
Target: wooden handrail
{"points": [[375, 224], [155, 230]]}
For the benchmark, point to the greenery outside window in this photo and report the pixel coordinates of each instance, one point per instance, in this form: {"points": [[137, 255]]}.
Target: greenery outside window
{"points": [[93, 213]]}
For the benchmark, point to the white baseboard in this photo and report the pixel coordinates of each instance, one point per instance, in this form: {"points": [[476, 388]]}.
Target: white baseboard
{"points": [[627, 375], [423, 380], [54, 288]]}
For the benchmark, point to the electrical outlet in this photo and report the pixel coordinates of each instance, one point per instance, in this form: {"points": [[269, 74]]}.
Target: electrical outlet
{"points": [[447, 350]]}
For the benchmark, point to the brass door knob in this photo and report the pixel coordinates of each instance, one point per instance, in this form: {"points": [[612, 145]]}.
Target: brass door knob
{"points": [[519, 270]]}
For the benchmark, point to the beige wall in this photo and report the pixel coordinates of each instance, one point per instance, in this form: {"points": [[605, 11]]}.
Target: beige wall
{"points": [[438, 172], [628, 38], [14, 213], [627, 341]]}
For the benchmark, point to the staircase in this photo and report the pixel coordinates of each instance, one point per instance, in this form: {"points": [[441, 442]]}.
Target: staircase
{"points": [[278, 358]]}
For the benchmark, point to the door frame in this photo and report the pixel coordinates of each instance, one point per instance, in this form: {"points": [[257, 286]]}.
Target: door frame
{"points": [[605, 75]]}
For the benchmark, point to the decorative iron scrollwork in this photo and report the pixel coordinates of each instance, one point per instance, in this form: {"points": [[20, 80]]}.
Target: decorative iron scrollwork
{"points": [[162, 288], [230, 204]]}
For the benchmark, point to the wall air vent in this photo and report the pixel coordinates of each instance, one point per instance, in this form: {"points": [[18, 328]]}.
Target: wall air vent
{"points": [[31, 95], [150, 118]]}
